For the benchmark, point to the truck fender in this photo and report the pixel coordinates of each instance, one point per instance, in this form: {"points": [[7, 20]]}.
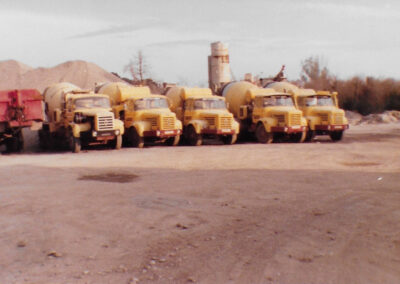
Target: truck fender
{"points": [[198, 125], [236, 126], [268, 123], [141, 126], [304, 121], [119, 125], [345, 120], [77, 128], [178, 124], [312, 121]]}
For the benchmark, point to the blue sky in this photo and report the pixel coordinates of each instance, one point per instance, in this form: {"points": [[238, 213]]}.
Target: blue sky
{"points": [[351, 37]]}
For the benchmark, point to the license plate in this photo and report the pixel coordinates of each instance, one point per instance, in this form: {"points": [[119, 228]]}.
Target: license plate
{"points": [[103, 134], [169, 132], [296, 127], [338, 127], [226, 130]]}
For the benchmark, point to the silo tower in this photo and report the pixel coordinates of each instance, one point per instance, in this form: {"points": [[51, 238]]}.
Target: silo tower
{"points": [[219, 72]]}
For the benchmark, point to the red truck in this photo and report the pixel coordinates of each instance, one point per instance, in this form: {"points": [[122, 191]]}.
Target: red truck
{"points": [[19, 109]]}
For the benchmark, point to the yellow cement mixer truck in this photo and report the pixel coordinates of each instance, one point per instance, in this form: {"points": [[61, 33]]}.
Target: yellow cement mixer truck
{"points": [[266, 113], [146, 117], [203, 115], [320, 108], [75, 118]]}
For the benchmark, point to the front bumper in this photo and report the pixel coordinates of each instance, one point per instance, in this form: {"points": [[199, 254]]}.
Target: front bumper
{"points": [[288, 129], [162, 133], [331, 127], [218, 131], [105, 135]]}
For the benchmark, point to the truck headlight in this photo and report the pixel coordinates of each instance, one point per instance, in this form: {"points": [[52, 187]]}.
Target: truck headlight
{"points": [[94, 133], [158, 133]]}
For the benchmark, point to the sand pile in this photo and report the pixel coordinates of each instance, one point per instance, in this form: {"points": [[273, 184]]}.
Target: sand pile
{"points": [[390, 116], [15, 75]]}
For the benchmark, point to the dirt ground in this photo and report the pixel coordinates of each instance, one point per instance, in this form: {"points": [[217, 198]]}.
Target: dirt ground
{"points": [[317, 212]]}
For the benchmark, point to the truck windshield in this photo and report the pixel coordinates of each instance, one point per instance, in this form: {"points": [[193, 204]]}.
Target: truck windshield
{"points": [[150, 103], [278, 101], [92, 102], [209, 104], [319, 101]]}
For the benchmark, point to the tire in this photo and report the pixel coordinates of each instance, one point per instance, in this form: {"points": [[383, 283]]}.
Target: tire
{"points": [[46, 140], [135, 139], [117, 142], [310, 135], [15, 143], [173, 141], [262, 135], [336, 135], [229, 139], [74, 143], [298, 137], [43, 140], [192, 137]]}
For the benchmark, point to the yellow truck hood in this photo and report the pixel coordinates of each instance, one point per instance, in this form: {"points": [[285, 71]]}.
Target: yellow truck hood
{"points": [[324, 109], [216, 112], [94, 111]]}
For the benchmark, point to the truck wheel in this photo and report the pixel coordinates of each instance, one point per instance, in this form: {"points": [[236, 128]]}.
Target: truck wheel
{"points": [[229, 139], [193, 138], [298, 137], [135, 139], [173, 141], [336, 135], [15, 143], [262, 135], [43, 140], [74, 144], [310, 135]]}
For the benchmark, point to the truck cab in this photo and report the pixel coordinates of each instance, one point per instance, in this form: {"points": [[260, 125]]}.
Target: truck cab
{"points": [[203, 115], [279, 117], [320, 108], [323, 114], [78, 118], [269, 115], [146, 116]]}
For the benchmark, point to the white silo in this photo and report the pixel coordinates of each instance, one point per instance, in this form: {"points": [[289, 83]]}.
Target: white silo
{"points": [[219, 72]]}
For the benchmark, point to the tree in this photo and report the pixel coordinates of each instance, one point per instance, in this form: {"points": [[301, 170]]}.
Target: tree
{"points": [[316, 76], [137, 67]]}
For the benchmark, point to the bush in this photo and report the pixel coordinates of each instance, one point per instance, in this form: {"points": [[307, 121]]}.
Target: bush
{"points": [[364, 95]]}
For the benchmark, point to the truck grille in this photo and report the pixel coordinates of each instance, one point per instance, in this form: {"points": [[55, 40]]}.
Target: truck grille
{"points": [[280, 118], [226, 123], [105, 122], [152, 120], [210, 120], [324, 117], [338, 118], [168, 123], [295, 119]]}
